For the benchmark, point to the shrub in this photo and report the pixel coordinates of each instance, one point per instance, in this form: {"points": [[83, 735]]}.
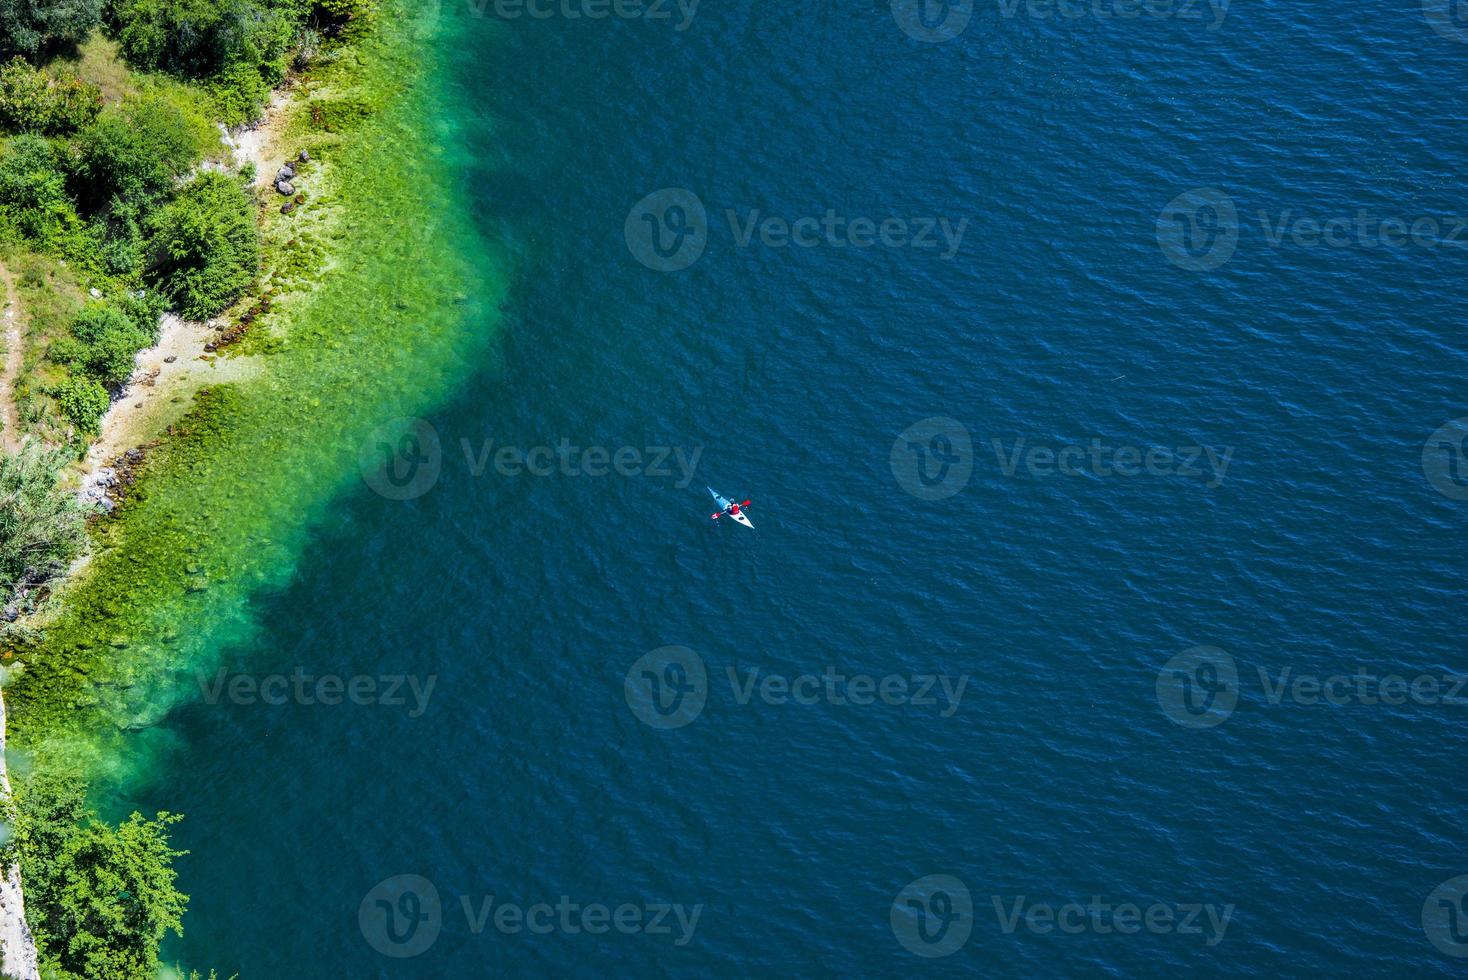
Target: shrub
{"points": [[239, 46], [32, 27], [111, 341], [137, 150], [83, 401], [99, 898], [204, 246], [199, 37], [144, 309], [40, 522], [31, 101], [335, 14], [33, 191], [96, 321], [67, 350]]}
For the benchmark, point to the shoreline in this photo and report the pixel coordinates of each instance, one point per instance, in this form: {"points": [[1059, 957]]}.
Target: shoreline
{"points": [[363, 312], [168, 375], [165, 380]]}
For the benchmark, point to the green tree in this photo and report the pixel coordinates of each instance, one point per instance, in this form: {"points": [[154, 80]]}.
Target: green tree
{"points": [[32, 27], [137, 150], [83, 401], [40, 521], [204, 246], [35, 101], [99, 898], [111, 341], [33, 191]]}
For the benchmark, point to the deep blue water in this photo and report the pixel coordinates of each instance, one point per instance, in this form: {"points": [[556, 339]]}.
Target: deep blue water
{"points": [[1063, 316]]}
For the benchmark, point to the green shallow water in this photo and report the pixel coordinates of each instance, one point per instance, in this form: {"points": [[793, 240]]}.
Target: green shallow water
{"points": [[405, 311]]}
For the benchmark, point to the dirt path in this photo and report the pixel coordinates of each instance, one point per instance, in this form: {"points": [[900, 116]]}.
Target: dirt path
{"points": [[10, 434]]}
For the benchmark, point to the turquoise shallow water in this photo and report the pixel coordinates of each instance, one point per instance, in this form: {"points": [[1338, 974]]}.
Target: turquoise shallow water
{"points": [[1086, 300]]}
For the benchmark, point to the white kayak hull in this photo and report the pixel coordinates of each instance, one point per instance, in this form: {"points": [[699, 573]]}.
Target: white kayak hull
{"points": [[726, 506]]}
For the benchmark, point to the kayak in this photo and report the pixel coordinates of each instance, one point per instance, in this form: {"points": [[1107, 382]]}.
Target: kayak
{"points": [[728, 508]]}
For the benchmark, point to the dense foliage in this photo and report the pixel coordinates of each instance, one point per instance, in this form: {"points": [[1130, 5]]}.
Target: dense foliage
{"points": [[83, 401], [32, 27], [135, 151], [40, 523], [240, 47], [100, 898], [204, 247], [33, 191], [106, 343], [34, 101]]}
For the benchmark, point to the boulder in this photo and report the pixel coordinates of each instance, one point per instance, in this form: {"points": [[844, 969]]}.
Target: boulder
{"points": [[304, 157], [286, 172], [287, 207], [286, 188]]}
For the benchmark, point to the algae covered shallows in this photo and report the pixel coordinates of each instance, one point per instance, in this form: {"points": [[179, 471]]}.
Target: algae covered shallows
{"points": [[379, 314]]}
